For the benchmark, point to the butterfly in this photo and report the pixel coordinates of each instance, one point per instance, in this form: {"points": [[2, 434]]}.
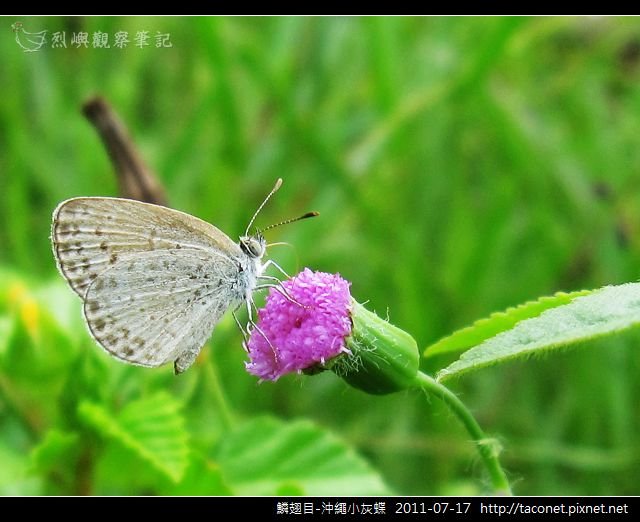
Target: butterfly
{"points": [[154, 281]]}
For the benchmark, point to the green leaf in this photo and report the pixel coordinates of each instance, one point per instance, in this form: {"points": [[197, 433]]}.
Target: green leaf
{"points": [[6, 327], [14, 473], [498, 322], [202, 477], [87, 381], [57, 447], [152, 428], [266, 456], [111, 473], [601, 312], [63, 307]]}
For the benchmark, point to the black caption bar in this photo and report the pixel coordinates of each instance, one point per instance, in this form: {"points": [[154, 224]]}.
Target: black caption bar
{"points": [[289, 509]]}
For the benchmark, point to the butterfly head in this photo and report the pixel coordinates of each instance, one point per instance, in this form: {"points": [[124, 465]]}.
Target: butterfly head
{"points": [[254, 246]]}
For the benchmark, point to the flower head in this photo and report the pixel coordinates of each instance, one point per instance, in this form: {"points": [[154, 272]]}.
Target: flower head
{"points": [[302, 330], [313, 323]]}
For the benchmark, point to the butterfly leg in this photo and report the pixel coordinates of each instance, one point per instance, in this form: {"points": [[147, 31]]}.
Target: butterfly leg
{"points": [[254, 325], [283, 291], [270, 278], [245, 335], [271, 262], [278, 286], [264, 336]]}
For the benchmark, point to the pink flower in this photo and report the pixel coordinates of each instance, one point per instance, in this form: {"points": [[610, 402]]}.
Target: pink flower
{"points": [[300, 337]]}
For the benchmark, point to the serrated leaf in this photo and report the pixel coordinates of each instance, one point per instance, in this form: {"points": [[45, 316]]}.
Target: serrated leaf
{"points": [[266, 456], [202, 477], [153, 428], [498, 322], [601, 312], [57, 447]]}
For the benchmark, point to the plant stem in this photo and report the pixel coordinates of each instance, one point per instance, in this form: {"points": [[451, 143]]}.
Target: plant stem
{"points": [[10, 400], [136, 180], [487, 448], [218, 396], [84, 472]]}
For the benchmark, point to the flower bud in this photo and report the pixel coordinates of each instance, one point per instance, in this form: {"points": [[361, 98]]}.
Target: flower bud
{"points": [[383, 358]]}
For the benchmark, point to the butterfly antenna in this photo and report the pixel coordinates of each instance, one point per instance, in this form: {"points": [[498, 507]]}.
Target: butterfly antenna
{"points": [[292, 220], [255, 215]]}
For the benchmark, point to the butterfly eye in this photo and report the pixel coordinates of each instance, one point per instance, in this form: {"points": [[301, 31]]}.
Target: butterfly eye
{"points": [[253, 246], [256, 246]]}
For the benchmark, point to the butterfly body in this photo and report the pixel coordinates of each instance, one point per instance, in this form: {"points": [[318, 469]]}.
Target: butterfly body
{"points": [[154, 281]]}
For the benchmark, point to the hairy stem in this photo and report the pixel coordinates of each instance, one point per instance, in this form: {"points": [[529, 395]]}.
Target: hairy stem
{"points": [[488, 448]]}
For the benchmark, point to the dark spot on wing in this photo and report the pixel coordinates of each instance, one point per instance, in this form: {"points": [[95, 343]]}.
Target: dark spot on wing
{"points": [[99, 324]]}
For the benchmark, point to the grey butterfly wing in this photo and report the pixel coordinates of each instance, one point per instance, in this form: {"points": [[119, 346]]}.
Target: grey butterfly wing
{"points": [[89, 235], [160, 306]]}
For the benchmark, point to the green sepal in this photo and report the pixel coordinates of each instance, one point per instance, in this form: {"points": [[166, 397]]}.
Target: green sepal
{"points": [[383, 359]]}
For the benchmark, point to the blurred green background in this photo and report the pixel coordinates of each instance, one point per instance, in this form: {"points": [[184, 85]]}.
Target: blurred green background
{"points": [[460, 166]]}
